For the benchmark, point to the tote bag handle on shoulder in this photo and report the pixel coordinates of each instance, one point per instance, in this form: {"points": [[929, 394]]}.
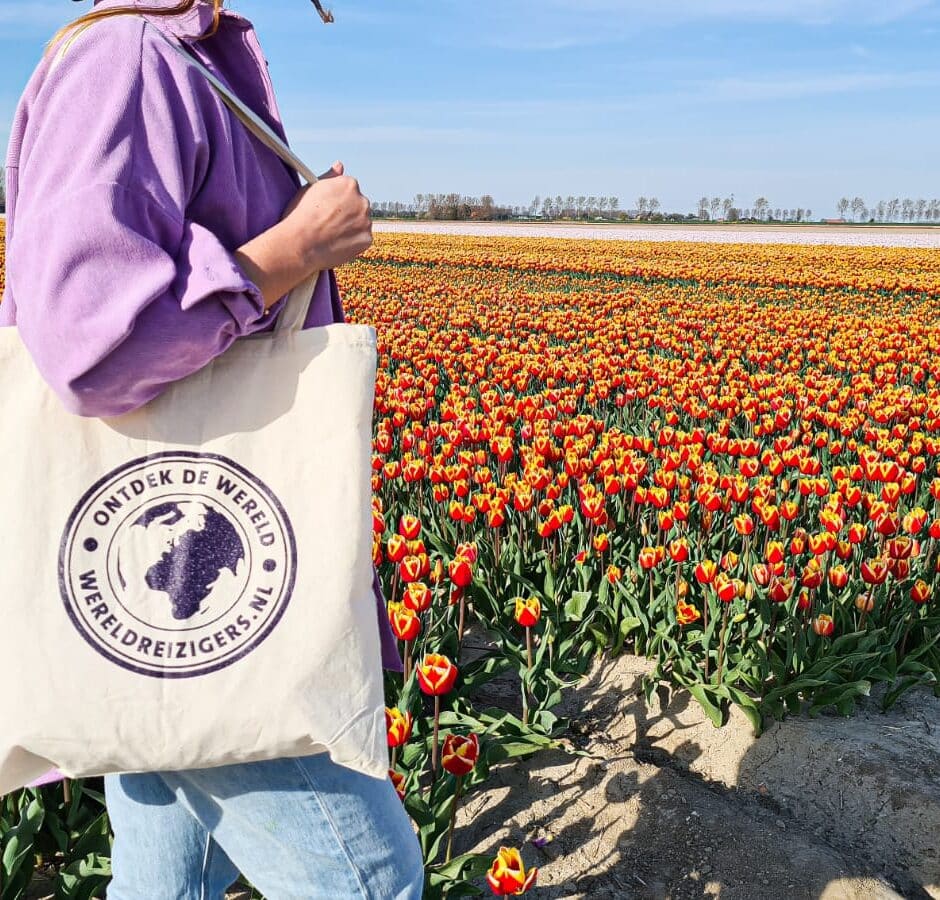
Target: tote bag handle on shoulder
{"points": [[295, 310]]}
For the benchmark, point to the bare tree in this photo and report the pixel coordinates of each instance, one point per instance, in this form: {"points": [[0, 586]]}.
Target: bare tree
{"points": [[581, 201], [893, 207], [858, 208], [761, 205], [703, 208], [614, 204], [727, 205], [642, 206], [920, 206], [715, 206], [843, 206], [653, 206], [907, 209]]}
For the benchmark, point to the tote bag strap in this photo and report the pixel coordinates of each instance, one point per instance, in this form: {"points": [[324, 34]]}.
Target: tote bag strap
{"points": [[298, 303]]}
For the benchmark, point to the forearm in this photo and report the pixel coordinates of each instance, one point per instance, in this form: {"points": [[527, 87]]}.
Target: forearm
{"points": [[272, 262]]}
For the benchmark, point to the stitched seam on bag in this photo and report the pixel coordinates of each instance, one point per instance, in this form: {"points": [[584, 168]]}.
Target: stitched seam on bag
{"points": [[324, 809]]}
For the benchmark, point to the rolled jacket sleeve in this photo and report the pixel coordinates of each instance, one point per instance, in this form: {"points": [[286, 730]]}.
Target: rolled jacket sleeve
{"points": [[126, 301], [119, 291]]}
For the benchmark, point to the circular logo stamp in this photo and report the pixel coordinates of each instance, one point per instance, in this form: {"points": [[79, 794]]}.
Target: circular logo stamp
{"points": [[177, 564]]}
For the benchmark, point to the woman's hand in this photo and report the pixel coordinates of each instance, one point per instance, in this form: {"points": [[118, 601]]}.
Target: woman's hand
{"points": [[329, 223], [324, 226]]}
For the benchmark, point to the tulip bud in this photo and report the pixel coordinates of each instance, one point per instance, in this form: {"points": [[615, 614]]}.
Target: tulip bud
{"points": [[398, 782], [398, 726], [823, 625]]}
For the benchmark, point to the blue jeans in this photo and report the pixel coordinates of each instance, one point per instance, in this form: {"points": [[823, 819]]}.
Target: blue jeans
{"points": [[297, 828]]}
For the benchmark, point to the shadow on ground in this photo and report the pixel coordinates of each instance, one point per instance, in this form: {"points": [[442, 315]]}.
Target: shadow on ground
{"points": [[668, 806]]}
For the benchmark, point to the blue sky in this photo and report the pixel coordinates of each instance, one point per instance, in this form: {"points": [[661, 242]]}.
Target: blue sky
{"points": [[799, 100]]}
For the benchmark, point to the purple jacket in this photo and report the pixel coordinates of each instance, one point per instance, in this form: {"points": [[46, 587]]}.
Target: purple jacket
{"points": [[129, 184]]}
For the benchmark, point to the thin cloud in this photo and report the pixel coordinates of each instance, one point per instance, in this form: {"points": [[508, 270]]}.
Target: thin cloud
{"points": [[555, 25], [786, 88], [391, 134]]}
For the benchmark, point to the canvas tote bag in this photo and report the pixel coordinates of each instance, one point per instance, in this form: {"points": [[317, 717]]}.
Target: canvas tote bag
{"points": [[189, 585]]}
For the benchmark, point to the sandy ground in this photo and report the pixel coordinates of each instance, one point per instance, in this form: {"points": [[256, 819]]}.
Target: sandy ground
{"points": [[670, 807], [667, 806], [856, 236]]}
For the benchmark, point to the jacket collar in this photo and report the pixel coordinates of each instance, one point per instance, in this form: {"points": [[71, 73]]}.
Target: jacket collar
{"points": [[188, 26]]}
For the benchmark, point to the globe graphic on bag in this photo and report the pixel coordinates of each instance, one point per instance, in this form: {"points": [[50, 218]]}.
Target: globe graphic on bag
{"points": [[179, 562]]}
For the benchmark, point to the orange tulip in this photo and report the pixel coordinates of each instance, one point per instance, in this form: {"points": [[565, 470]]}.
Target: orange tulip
{"points": [[705, 571], [459, 754], [460, 572], [405, 622], [436, 674], [507, 875], [686, 613], [409, 526], [417, 596], [874, 571], [528, 611]]}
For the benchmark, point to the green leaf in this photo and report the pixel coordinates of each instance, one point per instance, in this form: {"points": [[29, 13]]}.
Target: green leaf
{"points": [[576, 606]]}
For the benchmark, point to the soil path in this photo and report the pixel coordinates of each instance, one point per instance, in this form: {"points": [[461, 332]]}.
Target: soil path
{"points": [[671, 807], [667, 806]]}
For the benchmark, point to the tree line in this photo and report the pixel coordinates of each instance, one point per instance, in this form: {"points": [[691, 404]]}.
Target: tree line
{"points": [[896, 210], [582, 207]]}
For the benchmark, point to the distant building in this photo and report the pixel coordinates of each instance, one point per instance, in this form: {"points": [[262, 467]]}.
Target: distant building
{"points": [[835, 221]]}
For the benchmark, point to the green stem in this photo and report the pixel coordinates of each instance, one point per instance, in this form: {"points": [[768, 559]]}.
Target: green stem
{"points": [[434, 740], [453, 819], [721, 642]]}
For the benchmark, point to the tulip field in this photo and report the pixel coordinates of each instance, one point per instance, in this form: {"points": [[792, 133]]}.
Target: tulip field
{"points": [[721, 458]]}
